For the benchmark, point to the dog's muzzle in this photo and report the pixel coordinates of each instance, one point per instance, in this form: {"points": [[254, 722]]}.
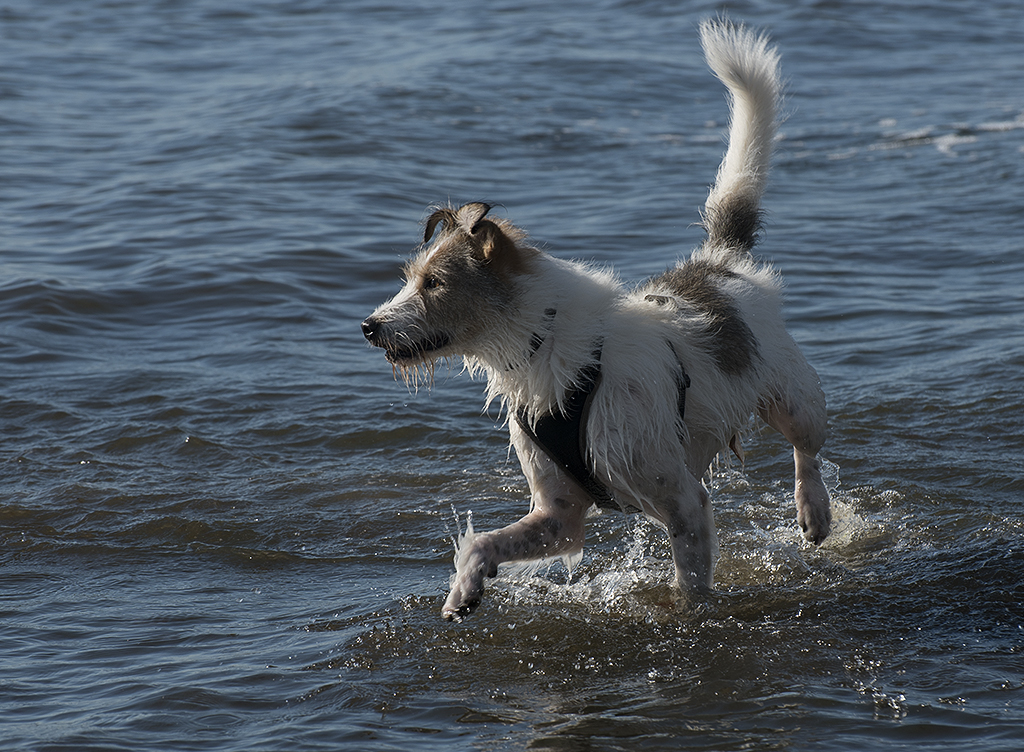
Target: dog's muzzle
{"points": [[371, 330], [396, 349]]}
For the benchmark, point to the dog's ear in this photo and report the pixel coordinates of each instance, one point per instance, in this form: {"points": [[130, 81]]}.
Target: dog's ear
{"points": [[440, 216], [470, 215], [499, 250], [491, 239], [497, 247], [467, 217]]}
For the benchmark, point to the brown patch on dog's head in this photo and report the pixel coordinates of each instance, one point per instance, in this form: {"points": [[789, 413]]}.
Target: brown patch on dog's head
{"points": [[496, 242]]}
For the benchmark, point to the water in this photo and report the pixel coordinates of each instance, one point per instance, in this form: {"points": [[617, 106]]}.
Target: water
{"points": [[223, 526]]}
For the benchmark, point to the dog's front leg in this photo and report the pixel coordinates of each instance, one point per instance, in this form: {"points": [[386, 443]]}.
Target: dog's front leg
{"points": [[554, 527], [544, 532], [690, 521]]}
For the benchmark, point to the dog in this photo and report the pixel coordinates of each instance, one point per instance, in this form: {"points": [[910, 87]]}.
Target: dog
{"points": [[621, 397]]}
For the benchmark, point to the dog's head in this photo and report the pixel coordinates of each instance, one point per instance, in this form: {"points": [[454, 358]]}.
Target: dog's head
{"points": [[458, 289]]}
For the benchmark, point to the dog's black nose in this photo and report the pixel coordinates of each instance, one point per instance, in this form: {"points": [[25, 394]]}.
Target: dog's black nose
{"points": [[369, 328]]}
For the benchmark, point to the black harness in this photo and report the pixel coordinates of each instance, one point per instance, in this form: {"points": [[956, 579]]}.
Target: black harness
{"points": [[561, 434]]}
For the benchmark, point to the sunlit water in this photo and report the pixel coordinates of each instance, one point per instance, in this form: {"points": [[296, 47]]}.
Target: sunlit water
{"points": [[223, 526]]}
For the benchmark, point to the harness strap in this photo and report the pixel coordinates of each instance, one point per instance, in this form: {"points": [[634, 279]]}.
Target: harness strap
{"points": [[682, 383], [538, 339], [562, 434]]}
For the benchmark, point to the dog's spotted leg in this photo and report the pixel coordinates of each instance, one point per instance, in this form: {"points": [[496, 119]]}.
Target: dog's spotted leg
{"points": [[541, 534], [802, 423], [683, 507], [554, 527]]}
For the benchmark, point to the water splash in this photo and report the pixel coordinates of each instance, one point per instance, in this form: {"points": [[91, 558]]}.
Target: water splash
{"points": [[461, 538], [627, 569], [609, 579]]}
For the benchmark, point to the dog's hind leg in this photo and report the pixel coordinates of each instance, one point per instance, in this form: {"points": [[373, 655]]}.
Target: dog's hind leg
{"points": [[554, 527], [802, 422]]}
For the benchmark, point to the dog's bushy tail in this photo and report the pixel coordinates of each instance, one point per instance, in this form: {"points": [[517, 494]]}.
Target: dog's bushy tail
{"points": [[749, 67]]}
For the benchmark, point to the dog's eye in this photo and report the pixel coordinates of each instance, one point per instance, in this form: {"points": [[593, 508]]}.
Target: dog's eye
{"points": [[431, 283]]}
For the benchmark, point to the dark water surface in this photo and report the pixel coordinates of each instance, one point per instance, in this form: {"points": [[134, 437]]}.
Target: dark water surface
{"points": [[223, 526]]}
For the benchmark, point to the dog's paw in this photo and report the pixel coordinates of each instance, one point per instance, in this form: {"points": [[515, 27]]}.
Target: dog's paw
{"points": [[457, 607], [815, 520], [463, 599], [813, 508], [460, 612]]}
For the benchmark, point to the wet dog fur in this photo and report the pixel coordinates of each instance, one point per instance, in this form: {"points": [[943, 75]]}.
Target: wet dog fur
{"points": [[533, 324]]}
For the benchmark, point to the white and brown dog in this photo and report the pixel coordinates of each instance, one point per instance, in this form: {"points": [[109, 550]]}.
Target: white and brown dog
{"points": [[621, 397]]}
